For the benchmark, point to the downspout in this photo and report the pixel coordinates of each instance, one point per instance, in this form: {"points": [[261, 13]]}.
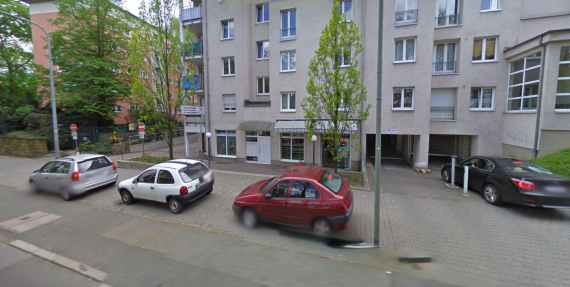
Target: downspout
{"points": [[362, 151], [205, 21], [539, 100]]}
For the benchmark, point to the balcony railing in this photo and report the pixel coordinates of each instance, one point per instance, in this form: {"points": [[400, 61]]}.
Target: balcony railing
{"points": [[448, 20], [442, 113], [195, 82], [407, 17], [193, 49], [442, 68], [192, 13]]}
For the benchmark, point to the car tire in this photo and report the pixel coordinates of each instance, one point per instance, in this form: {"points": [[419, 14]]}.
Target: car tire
{"points": [[175, 205], [492, 195], [249, 218], [127, 197], [210, 191], [322, 226], [446, 174], [34, 187], [66, 195]]}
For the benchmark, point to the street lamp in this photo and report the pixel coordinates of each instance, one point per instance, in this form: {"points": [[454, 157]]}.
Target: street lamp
{"points": [[209, 135], [53, 104], [314, 139]]}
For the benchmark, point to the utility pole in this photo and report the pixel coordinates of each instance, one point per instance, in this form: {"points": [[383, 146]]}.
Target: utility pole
{"points": [[378, 154], [53, 103]]}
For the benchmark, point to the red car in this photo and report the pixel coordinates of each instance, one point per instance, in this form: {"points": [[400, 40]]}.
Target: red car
{"points": [[302, 196]]}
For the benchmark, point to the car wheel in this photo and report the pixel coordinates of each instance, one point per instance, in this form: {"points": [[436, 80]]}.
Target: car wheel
{"points": [[492, 195], [446, 175], [175, 205], [127, 197], [322, 226], [33, 187], [249, 218], [66, 195]]}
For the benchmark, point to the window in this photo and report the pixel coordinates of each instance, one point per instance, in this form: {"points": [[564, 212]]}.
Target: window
{"points": [[263, 86], [147, 176], [344, 57], [406, 12], [229, 103], [263, 50], [133, 107], [228, 29], [403, 99], [289, 24], [447, 13], [482, 98], [490, 5], [192, 172], [288, 102], [170, 81], [292, 147], [128, 33], [170, 96], [524, 76], [164, 177], [142, 74], [405, 50], [288, 61], [226, 143], [484, 49], [48, 167], [118, 109], [303, 189], [280, 189], [62, 167], [331, 181], [563, 87], [93, 164], [114, 48], [444, 59], [263, 13], [346, 9], [115, 70], [229, 66]]}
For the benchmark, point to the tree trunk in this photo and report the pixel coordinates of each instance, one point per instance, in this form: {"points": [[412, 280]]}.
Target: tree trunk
{"points": [[171, 144]]}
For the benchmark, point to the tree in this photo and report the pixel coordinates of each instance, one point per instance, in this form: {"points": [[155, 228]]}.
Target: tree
{"points": [[89, 48], [158, 67], [334, 88]]}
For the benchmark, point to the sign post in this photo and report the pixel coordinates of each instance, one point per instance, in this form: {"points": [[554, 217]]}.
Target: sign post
{"points": [[142, 127], [73, 128]]}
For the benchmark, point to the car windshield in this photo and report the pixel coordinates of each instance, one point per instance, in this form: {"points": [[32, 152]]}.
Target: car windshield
{"points": [[192, 172], [523, 166], [270, 183], [331, 181]]}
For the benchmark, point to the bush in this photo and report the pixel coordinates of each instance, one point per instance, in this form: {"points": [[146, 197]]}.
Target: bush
{"points": [[102, 148], [86, 146], [24, 135], [151, 159]]}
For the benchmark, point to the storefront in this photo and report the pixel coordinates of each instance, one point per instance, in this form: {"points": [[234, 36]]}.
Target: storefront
{"points": [[257, 141]]}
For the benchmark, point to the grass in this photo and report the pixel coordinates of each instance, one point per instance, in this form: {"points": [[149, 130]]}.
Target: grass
{"points": [[558, 162], [151, 159], [24, 135], [354, 178]]}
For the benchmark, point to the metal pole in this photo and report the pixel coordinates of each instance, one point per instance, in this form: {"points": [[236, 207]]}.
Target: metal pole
{"points": [[185, 137], [453, 163], [465, 180], [313, 153], [53, 103], [377, 161], [209, 153], [538, 103]]}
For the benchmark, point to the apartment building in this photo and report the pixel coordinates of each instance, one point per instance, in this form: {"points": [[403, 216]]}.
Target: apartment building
{"points": [[459, 77]]}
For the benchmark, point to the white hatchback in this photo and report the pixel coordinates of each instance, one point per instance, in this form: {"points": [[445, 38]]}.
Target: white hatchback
{"points": [[176, 182]]}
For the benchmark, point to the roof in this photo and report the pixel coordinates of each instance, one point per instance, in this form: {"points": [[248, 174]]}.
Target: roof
{"points": [[256, 126], [303, 171], [177, 163], [536, 37], [82, 157]]}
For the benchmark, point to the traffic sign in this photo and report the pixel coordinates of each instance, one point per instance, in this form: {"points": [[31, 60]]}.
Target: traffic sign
{"points": [[192, 110], [141, 135], [73, 127], [74, 135], [141, 127]]}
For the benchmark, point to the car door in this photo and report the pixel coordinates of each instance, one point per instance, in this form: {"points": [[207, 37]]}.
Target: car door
{"points": [[303, 204], [480, 174], [93, 171], [44, 179], [144, 185], [165, 185], [273, 209], [460, 170], [61, 176]]}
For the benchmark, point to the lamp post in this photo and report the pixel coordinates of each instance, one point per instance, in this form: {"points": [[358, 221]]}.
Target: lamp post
{"points": [[314, 139], [53, 103], [209, 135]]}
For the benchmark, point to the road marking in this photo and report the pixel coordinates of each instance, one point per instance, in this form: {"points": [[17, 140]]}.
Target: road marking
{"points": [[28, 221]]}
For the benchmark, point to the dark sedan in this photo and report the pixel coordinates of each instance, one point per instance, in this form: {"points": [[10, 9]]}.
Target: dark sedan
{"points": [[507, 179]]}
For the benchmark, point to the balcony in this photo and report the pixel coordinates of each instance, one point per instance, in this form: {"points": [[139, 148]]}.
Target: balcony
{"points": [[442, 113], [193, 49], [443, 68], [192, 13], [195, 82], [447, 21], [406, 17]]}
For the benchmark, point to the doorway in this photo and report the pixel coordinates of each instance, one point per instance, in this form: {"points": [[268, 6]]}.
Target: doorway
{"points": [[342, 163], [258, 147]]}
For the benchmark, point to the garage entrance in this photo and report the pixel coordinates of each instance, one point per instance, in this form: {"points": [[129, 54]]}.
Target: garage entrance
{"points": [[392, 146], [443, 145]]}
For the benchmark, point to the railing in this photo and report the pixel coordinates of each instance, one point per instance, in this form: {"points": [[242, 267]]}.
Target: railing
{"points": [[192, 13], [448, 20], [193, 49], [150, 136], [289, 32], [442, 68], [195, 82], [407, 17], [442, 113]]}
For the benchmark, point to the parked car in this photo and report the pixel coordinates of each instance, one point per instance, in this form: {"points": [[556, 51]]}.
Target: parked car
{"points": [[309, 197], [73, 175], [176, 182], [508, 179]]}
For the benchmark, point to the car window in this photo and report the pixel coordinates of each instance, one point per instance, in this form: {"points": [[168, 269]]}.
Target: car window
{"points": [[62, 167], [270, 183], [165, 177], [147, 176], [280, 189], [523, 166], [49, 166], [303, 189], [192, 172], [471, 162], [488, 165], [331, 181], [92, 164]]}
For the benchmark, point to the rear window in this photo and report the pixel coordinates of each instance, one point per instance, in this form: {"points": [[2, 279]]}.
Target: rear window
{"points": [[331, 181], [268, 184], [523, 166], [92, 164], [192, 172]]}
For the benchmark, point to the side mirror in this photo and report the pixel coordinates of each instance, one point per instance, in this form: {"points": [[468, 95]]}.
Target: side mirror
{"points": [[37, 171], [268, 195], [135, 180]]}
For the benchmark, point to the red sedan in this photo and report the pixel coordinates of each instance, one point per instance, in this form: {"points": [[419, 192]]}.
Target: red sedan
{"points": [[302, 196]]}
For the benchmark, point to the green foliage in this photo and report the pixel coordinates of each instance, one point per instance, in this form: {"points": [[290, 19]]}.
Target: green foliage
{"points": [[86, 146], [558, 162], [334, 89], [102, 148], [151, 159], [25, 135]]}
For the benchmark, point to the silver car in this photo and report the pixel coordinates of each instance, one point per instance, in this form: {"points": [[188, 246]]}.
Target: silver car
{"points": [[74, 175]]}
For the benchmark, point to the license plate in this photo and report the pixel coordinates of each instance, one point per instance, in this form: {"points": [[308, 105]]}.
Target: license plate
{"points": [[555, 188]]}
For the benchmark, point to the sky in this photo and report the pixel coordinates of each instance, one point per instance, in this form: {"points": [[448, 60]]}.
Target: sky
{"points": [[133, 6]]}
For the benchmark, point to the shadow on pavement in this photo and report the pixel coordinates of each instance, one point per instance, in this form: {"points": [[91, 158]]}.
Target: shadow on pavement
{"points": [[331, 240]]}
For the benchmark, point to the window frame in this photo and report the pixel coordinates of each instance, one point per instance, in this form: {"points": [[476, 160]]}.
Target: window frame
{"points": [[483, 46], [288, 109], [229, 110], [480, 99], [494, 5], [342, 9], [171, 96], [402, 98], [146, 171], [288, 181], [304, 198], [288, 61], [291, 137], [264, 80], [404, 52], [231, 63], [263, 7], [227, 133], [118, 111], [560, 63], [231, 29], [289, 36], [158, 176], [261, 45], [523, 84]]}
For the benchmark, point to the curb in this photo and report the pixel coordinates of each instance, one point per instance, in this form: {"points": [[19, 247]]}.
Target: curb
{"points": [[415, 259]]}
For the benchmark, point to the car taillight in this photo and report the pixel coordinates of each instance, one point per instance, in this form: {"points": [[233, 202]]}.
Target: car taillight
{"points": [[183, 190], [114, 166], [346, 205], [524, 184], [75, 176]]}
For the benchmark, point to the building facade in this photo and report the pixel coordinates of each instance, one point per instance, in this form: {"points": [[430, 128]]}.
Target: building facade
{"points": [[459, 77]]}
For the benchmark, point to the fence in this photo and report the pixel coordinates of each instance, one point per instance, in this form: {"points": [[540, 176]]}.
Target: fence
{"points": [[442, 68], [407, 17], [150, 137], [192, 13], [442, 113]]}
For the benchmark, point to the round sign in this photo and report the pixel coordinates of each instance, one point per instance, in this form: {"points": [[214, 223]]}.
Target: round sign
{"points": [[141, 127], [73, 127]]}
